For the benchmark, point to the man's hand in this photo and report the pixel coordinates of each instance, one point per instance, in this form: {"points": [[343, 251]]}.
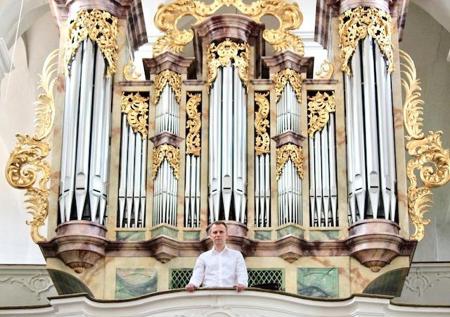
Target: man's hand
{"points": [[239, 287], [190, 288]]}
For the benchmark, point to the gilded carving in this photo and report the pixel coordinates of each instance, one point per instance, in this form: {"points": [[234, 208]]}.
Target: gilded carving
{"points": [[171, 154], [429, 160], [129, 71], [193, 124], [262, 140], [223, 54], [284, 76], [45, 105], [166, 77], [174, 40], [326, 70], [355, 24], [319, 108], [290, 152], [26, 167], [135, 107], [101, 28]]}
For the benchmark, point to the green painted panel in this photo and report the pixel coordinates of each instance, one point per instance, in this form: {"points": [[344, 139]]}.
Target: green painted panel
{"points": [[165, 231], [320, 235], [318, 282], [290, 230], [130, 235], [135, 282], [191, 235], [263, 234]]}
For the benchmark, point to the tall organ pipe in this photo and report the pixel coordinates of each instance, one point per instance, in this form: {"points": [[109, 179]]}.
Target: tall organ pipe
{"points": [[289, 183], [228, 143], [86, 131], [165, 190], [68, 157], [370, 135]]}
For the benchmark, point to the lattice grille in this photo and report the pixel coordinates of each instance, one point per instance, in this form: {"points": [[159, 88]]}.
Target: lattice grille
{"points": [[264, 278], [179, 278]]}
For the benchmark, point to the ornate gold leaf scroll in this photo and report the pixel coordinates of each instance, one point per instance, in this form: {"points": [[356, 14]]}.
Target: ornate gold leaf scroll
{"points": [[166, 77], [193, 124], [355, 24], [26, 167], [129, 71], [222, 54], [262, 140], [284, 76], [169, 152], [292, 152], [174, 40], [428, 159], [319, 108], [135, 107], [101, 28], [326, 70]]}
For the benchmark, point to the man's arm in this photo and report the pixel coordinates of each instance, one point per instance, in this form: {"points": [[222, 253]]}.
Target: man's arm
{"points": [[241, 274], [197, 275]]}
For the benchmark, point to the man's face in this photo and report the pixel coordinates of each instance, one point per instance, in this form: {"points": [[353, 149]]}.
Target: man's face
{"points": [[218, 235]]}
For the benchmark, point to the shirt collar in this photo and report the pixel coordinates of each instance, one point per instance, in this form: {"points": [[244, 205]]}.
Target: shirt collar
{"points": [[214, 251]]}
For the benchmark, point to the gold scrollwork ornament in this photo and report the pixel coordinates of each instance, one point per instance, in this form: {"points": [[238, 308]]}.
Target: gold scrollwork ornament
{"points": [[285, 76], [319, 108], [223, 54], [129, 71], [26, 167], [135, 107], [171, 154], [193, 124], [356, 24], [290, 152], [101, 27], [288, 15], [429, 160], [262, 140], [326, 70], [166, 77]]}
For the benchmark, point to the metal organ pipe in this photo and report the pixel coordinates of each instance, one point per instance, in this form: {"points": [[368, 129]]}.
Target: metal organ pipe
{"points": [[357, 128], [97, 187], [68, 156], [289, 183], [370, 122], [215, 153], [333, 176], [323, 181], [86, 130], [84, 125], [370, 135], [165, 191], [228, 146], [192, 171]]}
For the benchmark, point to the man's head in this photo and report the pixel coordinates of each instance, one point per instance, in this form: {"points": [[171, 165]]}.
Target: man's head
{"points": [[218, 234]]}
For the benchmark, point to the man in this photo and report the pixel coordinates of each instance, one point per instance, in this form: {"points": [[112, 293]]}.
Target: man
{"points": [[220, 266]]}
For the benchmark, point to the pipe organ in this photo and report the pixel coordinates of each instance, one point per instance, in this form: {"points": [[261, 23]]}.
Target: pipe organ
{"points": [[369, 120], [228, 134], [86, 128], [322, 151], [133, 158], [231, 124]]}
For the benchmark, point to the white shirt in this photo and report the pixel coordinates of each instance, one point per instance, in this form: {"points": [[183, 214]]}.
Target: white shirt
{"points": [[219, 269]]}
